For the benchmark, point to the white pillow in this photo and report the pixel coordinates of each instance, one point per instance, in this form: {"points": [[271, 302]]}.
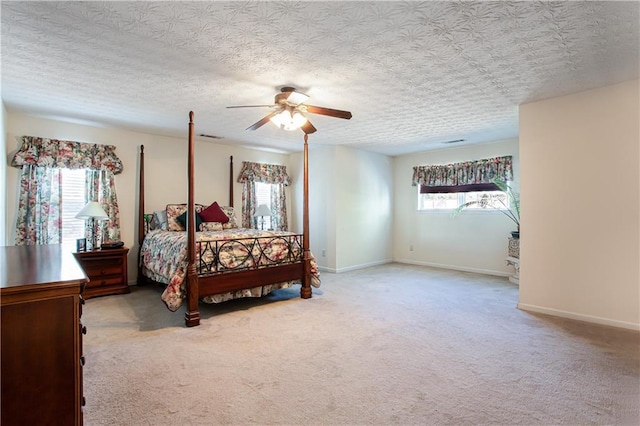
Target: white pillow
{"points": [[160, 219], [211, 226], [228, 210]]}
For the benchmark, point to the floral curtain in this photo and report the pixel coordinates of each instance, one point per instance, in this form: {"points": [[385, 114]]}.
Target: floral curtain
{"points": [[41, 159], [57, 154], [460, 177], [100, 186], [39, 206], [273, 174], [249, 205], [278, 204]]}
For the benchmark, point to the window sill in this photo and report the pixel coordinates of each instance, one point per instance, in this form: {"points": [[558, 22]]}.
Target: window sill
{"points": [[463, 213]]}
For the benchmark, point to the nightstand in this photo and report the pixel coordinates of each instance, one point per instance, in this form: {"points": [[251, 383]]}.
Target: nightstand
{"points": [[107, 271]]}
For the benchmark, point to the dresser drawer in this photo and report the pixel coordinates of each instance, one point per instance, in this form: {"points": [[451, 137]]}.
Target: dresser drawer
{"points": [[95, 268]]}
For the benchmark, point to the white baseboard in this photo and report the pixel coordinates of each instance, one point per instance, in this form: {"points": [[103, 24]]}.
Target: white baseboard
{"points": [[455, 267], [355, 267], [579, 317]]}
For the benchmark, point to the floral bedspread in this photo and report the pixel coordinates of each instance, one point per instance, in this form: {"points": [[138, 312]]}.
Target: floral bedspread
{"points": [[163, 257]]}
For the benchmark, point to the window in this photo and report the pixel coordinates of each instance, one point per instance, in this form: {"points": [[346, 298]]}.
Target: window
{"points": [[50, 197], [452, 186], [73, 200], [264, 184], [263, 196], [492, 200]]}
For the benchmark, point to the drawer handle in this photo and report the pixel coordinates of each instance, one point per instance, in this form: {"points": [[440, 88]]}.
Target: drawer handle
{"points": [[82, 361]]}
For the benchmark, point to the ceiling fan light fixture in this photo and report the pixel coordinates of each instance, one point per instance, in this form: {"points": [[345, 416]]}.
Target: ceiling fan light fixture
{"points": [[298, 119], [289, 121], [277, 119]]}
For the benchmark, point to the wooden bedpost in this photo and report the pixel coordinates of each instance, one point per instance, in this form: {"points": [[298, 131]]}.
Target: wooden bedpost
{"points": [[231, 181], [305, 290], [141, 221], [192, 316]]}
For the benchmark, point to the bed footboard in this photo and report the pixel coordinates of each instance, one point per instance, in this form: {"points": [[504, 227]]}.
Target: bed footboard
{"points": [[236, 264], [235, 255]]}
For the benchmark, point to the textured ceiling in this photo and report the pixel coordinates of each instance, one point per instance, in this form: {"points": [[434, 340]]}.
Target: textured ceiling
{"points": [[414, 74]]}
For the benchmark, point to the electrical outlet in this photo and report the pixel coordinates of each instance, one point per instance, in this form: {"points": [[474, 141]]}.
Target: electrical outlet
{"points": [[411, 247], [324, 253]]}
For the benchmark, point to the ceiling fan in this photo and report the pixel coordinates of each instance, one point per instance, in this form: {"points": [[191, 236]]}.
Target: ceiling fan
{"points": [[289, 111]]}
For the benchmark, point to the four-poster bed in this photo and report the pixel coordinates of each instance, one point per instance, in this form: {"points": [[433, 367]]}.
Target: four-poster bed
{"points": [[209, 264]]}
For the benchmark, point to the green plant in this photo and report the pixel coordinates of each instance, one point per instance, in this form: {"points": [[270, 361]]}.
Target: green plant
{"points": [[510, 207]]}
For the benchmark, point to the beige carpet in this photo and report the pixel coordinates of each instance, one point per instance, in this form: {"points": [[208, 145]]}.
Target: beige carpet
{"points": [[394, 344]]}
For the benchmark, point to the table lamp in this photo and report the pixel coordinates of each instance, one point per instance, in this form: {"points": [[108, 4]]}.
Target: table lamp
{"points": [[92, 211], [261, 212]]}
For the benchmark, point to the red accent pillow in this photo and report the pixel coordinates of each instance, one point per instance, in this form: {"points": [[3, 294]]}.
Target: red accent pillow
{"points": [[214, 213]]}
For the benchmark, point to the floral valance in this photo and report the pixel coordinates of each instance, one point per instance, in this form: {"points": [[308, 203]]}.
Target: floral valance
{"points": [[265, 173], [464, 174], [59, 154]]}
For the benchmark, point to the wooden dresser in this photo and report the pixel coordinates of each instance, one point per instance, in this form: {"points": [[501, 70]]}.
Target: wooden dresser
{"points": [[41, 336], [106, 269]]}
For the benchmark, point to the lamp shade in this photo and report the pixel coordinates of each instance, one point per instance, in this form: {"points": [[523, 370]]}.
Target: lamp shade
{"points": [[92, 210], [262, 210]]}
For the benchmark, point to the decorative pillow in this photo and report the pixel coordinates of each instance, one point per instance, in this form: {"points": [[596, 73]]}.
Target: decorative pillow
{"points": [[175, 210], [149, 222], [160, 219], [182, 219], [214, 213], [211, 226], [228, 210]]}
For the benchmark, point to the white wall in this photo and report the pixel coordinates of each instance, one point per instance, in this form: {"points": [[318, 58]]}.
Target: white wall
{"points": [[350, 206], [580, 254], [3, 175], [364, 212], [165, 170], [472, 241], [322, 202]]}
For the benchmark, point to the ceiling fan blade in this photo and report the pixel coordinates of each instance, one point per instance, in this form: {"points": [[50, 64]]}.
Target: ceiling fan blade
{"points": [[328, 111], [308, 128], [262, 122], [251, 106], [297, 98]]}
